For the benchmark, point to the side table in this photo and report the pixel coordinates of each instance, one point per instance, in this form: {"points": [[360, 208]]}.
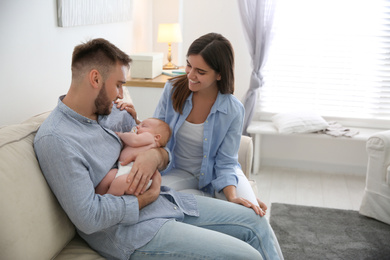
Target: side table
{"points": [[146, 93]]}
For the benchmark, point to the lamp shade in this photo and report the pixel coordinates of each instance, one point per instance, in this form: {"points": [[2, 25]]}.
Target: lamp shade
{"points": [[169, 32]]}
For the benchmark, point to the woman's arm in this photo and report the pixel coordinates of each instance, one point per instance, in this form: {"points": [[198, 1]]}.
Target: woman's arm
{"points": [[226, 159], [226, 142]]}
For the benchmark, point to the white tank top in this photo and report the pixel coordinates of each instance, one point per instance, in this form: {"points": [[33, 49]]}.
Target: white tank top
{"points": [[189, 148]]}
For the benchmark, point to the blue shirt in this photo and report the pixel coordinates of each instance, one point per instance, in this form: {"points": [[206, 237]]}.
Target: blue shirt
{"points": [[75, 153], [221, 137]]}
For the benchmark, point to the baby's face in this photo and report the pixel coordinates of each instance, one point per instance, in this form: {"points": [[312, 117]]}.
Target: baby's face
{"points": [[147, 125]]}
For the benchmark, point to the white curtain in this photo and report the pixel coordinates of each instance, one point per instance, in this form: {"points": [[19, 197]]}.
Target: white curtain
{"points": [[257, 18]]}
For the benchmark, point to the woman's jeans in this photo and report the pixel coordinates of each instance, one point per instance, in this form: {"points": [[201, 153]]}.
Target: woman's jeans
{"points": [[223, 230]]}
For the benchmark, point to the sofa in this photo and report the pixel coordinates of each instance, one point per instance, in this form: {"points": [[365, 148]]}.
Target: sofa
{"points": [[33, 224], [376, 198]]}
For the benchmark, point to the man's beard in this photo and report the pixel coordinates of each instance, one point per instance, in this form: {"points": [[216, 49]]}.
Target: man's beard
{"points": [[102, 103]]}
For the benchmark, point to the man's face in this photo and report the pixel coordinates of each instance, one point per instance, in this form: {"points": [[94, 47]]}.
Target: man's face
{"points": [[110, 90], [102, 103]]}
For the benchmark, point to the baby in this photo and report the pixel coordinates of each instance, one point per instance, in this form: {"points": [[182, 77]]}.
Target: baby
{"points": [[150, 133]]}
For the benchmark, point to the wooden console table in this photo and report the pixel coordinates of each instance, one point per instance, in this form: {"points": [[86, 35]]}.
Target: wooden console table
{"points": [[157, 82], [146, 93]]}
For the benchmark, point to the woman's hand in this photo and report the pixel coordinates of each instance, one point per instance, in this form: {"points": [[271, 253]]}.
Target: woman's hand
{"points": [[230, 194], [258, 210], [129, 108], [262, 205]]}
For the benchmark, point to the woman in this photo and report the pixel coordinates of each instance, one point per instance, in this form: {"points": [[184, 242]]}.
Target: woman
{"points": [[206, 122]]}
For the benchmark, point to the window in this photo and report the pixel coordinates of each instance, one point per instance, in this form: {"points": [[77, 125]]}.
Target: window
{"points": [[331, 57]]}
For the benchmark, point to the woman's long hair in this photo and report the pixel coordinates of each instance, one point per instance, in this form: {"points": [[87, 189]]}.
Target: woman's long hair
{"points": [[218, 53]]}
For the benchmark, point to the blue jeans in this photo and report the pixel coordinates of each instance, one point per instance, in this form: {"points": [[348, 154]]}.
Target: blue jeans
{"points": [[223, 230]]}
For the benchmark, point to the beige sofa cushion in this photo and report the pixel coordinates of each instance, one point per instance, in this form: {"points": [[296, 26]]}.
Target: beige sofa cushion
{"points": [[32, 223], [245, 155], [78, 249]]}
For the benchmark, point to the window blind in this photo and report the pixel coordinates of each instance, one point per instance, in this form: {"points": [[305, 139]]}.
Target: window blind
{"points": [[331, 57]]}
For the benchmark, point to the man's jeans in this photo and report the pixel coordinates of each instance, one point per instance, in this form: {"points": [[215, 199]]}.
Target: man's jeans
{"points": [[241, 234]]}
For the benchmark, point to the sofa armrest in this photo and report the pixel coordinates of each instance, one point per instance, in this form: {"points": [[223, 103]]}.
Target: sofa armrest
{"points": [[245, 155], [376, 197], [378, 150]]}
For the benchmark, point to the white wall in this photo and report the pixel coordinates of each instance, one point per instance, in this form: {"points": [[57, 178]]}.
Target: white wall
{"points": [[36, 53]]}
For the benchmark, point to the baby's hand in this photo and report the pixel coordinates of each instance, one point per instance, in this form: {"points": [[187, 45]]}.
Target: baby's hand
{"points": [[129, 108], [122, 105]]}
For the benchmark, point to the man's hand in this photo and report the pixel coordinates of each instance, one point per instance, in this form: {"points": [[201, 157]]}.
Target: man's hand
{"points": [[144, 166], [152, 193]]}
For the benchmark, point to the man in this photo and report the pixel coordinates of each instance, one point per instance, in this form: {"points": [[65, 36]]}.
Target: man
{"points": [[77, 145]]}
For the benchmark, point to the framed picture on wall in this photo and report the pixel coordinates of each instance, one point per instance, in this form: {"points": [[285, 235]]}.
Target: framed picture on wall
{"points": [[85, 12]]}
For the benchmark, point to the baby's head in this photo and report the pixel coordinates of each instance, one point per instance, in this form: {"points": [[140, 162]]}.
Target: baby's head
{"points": [[157, 127]]}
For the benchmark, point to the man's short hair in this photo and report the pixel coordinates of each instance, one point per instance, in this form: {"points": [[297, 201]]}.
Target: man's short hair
{"points": [[97, 54]]}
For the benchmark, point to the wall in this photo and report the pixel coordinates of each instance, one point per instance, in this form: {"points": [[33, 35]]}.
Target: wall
{"points": [[36, 54]]}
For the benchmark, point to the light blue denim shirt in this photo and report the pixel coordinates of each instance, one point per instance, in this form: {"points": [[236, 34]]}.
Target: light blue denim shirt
{"points": [[75, 153], [221, 137]]}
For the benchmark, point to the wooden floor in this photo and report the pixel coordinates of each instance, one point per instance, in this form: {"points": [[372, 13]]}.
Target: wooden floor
{"points": [[329, 190]]}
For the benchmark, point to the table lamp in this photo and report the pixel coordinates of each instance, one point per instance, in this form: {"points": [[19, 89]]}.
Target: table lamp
{"points": [[169, 32]]}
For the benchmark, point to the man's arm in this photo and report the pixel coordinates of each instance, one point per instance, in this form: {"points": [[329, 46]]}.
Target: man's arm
{"points": [[144, 166], [75, 191]]}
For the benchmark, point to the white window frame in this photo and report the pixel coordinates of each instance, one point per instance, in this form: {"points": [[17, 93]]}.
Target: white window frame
{"points": [[328, 7]]}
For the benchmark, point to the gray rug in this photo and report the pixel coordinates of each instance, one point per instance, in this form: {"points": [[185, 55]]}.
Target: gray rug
{"points": [[321, 233]]}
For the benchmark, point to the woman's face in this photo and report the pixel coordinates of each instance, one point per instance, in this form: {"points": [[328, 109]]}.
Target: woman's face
{"points": [[200, 75]]}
